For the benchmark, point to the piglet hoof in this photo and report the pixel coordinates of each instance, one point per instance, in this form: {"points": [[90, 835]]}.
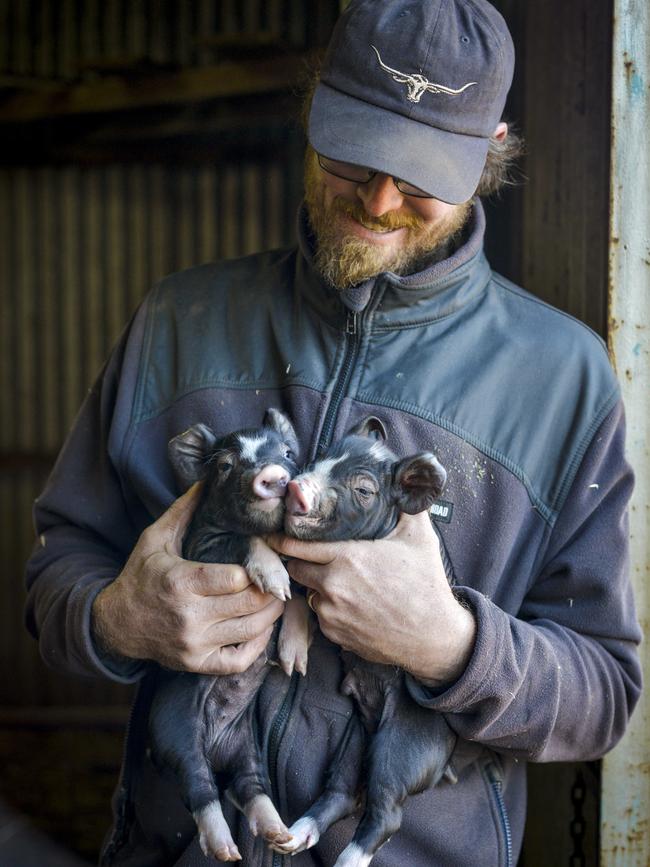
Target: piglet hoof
{"points": [[277, 837], [295, 636], [293, 655], [304, 834], [214, 834], [264, 820], [225, 853], [266, 571], [276, 581]]}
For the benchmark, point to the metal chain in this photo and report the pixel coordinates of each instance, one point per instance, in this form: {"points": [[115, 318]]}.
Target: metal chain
{"points": [[577, 825]]}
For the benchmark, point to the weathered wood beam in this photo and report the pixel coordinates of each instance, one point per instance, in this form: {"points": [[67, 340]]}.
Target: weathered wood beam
{"points": [[126, 93]]}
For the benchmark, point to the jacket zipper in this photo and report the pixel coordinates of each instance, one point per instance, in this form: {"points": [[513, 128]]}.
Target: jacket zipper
{"points": [[279, 724], [496, 784], [276, 733], [352, 342]]}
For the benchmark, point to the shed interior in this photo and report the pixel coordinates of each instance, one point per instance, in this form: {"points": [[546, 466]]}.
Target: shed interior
{"points": [[137, 138]]}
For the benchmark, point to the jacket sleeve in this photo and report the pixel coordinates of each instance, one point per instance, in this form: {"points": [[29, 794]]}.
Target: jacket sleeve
{"points": [[559, 681], [84, 528]]}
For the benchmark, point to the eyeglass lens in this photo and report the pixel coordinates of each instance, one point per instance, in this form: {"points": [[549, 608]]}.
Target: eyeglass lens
{"points": [[363, 174]]}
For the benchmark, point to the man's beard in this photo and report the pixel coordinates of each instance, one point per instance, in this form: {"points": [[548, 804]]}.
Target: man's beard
{"points": [[345, 260]]}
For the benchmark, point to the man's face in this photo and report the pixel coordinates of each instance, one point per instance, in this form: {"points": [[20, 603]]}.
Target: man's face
{"points": [[364, 229]]}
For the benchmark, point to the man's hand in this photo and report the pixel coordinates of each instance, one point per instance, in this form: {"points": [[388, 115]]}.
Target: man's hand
{"points": [[200, 617], [387, 600]]}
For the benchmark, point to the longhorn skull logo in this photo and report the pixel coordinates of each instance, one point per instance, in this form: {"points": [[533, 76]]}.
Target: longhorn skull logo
{"points": [[417, 84]]}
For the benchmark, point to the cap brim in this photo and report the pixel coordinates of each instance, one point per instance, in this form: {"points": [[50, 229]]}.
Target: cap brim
{"points": [[446, 165]]}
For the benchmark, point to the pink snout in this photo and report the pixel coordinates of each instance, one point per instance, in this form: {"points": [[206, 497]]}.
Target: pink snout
{"points": [[271, 482], [300, 497]]}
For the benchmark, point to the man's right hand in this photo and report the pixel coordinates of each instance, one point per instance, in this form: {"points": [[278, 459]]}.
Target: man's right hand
{"points": [[201, 617]]}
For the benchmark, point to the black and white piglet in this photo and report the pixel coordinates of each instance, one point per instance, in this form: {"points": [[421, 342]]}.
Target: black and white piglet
{"points": [[201, 726], [357, 491]]}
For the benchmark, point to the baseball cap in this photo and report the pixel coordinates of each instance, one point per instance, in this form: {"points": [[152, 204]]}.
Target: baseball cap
{"points": [[415, 90]]}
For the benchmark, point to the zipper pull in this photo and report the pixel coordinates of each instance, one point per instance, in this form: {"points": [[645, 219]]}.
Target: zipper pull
{"points": [[351, 323], [494, 775]]}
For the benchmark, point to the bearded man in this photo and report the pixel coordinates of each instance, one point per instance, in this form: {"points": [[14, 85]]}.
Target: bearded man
{"points": [[508, 606]]}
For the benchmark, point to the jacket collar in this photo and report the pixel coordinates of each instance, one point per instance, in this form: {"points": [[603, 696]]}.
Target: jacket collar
{"points": [[431, 293]]}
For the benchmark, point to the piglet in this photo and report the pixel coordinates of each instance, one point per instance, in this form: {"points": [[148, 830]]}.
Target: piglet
{"points": [[357, 491], [202, 726]]}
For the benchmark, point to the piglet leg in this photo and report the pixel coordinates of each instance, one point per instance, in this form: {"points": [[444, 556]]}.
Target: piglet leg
{"points": [[176, 729], [340, 797], [409, 752], [296, 632], [266, 570], [214, 833], [239, 754], [263, 819]]}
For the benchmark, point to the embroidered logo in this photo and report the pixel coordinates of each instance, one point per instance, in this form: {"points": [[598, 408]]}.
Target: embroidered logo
{"points": [[417, 84], [442, 510]]}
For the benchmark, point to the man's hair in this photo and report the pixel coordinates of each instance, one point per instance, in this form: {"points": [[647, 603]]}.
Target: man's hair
{"points": [[502, 156], [500, 164]]}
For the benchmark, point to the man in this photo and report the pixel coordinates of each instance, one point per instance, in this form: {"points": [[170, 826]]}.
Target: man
{"points": [[388, 306]]}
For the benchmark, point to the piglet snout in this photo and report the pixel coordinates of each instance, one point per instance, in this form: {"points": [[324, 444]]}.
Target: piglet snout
{"points": [[299, 499], [271, 482]]}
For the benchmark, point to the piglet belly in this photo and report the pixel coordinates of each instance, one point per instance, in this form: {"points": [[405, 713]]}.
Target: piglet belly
{"points": [[369, 684]]}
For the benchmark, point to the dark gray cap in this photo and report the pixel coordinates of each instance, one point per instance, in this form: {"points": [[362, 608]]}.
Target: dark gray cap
{"points": [[415, 90]]}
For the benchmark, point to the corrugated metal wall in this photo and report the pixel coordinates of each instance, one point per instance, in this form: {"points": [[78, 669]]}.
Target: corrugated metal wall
{"points": [[61, 38], [80, 246]]}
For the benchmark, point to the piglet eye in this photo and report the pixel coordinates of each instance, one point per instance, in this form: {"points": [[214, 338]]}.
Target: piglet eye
{"points": [[289, 455], [363, 487]]}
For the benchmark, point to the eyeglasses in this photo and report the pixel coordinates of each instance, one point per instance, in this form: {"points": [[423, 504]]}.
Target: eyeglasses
{"points": [[363, 175]]}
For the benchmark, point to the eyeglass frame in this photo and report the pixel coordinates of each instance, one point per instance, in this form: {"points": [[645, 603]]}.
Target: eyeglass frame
{"points": [[371, 174]]}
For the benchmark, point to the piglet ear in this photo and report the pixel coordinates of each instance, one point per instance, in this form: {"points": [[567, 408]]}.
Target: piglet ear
{"points": [[370, 427], [188, 453], [418, 481], [279, 422]]}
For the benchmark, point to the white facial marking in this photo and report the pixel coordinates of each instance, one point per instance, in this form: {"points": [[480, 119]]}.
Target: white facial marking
{"points": [[322, 470], [379, 451], [250, 446]]}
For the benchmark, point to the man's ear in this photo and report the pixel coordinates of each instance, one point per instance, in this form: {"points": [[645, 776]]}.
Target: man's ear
{"points": [[279, 422], [188, 453], [370, 427], [417, 482]]}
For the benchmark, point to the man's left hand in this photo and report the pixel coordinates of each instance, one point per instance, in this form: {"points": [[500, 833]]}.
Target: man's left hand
{"points": [[387, 600]]}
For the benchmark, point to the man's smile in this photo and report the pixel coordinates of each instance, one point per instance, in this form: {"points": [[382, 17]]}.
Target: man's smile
{"points": [[371, 231]]}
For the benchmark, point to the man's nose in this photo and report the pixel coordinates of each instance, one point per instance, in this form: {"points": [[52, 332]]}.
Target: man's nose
{"points": [[380, 195]]}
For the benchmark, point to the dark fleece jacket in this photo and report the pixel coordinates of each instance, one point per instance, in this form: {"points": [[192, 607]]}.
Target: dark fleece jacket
{"points": [[519, 403]]}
